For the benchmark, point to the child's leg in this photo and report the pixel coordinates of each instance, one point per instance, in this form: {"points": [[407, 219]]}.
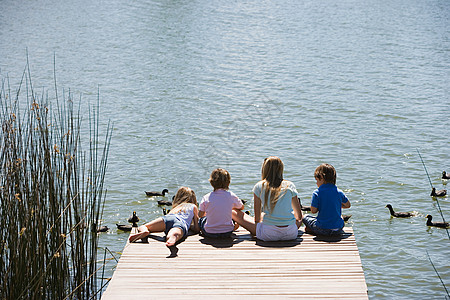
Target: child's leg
{"points": [[245, 221], [312, 228], [173, 236], [156, 225], [309, 222]]}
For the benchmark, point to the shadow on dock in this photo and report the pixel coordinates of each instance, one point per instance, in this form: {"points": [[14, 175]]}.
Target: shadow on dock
{"points": [[236, 239], [332, 239], [225, 242]]}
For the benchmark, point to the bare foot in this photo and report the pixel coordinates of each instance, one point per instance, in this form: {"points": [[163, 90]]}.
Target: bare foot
{"points": [[171, 240], [137, 236]]}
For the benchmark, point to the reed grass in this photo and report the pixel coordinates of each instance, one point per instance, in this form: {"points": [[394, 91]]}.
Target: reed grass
{"points": [[51, 194]]}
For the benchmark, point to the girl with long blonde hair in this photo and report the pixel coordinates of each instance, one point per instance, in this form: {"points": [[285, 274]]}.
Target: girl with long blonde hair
{"points": [[176, 224], [277, 210]]}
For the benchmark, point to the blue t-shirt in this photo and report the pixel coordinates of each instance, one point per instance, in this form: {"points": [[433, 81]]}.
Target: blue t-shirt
{"points": [[328, 200], [282, 213]]}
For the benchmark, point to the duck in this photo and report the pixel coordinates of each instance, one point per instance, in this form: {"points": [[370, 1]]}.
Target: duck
{"points": [[165, 202], [399, 214], [134, 219], [102, 229], [346, 217], [124, 227], [305, 208], [440, 193], [436, 224], [156, 194], [445, 175]]}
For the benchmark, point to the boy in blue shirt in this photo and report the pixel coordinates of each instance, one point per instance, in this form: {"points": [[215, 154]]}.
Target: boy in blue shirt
{"points": [[327, 201]]}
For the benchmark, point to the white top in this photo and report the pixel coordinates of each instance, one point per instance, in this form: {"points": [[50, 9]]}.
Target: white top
{"points": [[186, 214], [218, 206]]}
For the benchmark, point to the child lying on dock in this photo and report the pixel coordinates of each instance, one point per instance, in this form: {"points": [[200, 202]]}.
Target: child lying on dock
{"points": [[177, 222]]}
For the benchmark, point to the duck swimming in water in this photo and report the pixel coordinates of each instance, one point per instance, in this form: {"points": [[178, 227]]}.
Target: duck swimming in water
{"points": [[134, 219], [445, 175], [399, 214], [156, 194], [165, 202], [436, 224], [305, 208], [102, 229], [124, 227], [346, 217], [440, 193]]}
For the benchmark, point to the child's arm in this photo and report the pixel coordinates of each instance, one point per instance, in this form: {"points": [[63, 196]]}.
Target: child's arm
{"points": [[346, 204], [237, 203], [315, 202], [239, 208], [194, 225], [297, 209], [257, 208]]}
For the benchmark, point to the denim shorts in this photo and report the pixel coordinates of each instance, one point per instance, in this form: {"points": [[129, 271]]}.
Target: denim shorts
{"points": [[267, 233], [202, 222], [172, 221], [310, 222]]}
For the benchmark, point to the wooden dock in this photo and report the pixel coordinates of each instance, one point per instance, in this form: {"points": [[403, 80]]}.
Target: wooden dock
{"points": [[240, 268]]}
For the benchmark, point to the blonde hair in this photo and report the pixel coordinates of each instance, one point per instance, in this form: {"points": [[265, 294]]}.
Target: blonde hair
{"points": [[183, 197], [272, 177], [220, 179]]}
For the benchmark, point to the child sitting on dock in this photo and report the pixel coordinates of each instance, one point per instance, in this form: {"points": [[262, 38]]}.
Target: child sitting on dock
{"points": [[216, 207], [177, 222], [327, 201], [277, 210]]}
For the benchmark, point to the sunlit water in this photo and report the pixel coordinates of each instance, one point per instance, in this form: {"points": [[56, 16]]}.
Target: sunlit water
{"points": [[193, 85]]}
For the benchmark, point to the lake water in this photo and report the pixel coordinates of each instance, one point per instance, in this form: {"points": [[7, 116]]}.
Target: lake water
{"points": [[195, 85]]}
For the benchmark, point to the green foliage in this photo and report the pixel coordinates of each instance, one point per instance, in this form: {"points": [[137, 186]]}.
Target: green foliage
{"points": [[51, 195]]}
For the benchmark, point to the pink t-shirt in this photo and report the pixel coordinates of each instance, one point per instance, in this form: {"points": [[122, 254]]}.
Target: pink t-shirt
{"points": [[218, 206]]}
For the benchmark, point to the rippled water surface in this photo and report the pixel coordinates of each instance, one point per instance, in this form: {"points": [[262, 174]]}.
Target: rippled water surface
{"points": [[193, 85]]}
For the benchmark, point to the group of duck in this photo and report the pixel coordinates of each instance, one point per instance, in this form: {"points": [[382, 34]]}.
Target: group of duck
{"points": [[434, 193], [134, 219]]}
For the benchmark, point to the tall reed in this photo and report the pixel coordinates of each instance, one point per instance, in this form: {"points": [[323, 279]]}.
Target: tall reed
{"points": [[51, 194]]}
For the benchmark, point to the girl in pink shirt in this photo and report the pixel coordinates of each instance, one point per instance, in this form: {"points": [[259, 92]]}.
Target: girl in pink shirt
{"points": [[216, 207]]}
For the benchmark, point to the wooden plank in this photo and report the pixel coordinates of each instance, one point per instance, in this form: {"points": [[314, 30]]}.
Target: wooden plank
{"points": [[201, 268]]}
